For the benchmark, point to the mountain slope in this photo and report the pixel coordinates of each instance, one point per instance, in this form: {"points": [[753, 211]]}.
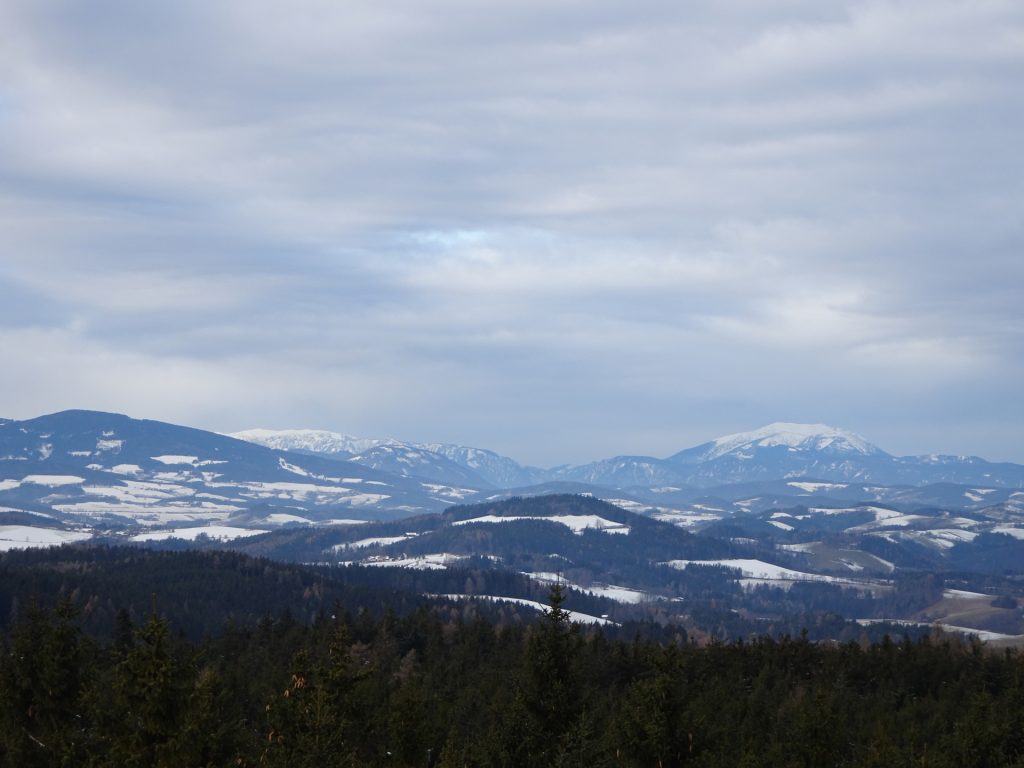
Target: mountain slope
{"points": [[820, 452], [412, 461], [98, 467]]}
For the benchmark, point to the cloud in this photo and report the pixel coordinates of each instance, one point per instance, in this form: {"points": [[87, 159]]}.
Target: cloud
{"points": [[562, 230]]}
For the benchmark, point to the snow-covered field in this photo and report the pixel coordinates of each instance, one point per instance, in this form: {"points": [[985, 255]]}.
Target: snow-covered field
{"points": [[25, 536], [221, 532], [981, 633], [612, 592], [432, 562], [377, 541], [583, 618], [756, 569]]}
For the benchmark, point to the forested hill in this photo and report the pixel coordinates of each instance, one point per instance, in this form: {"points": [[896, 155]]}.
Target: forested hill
{"points": [[578, 529], [202, 593]]}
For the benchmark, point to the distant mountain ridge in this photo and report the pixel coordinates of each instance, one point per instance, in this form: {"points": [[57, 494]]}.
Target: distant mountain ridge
{"points": [[86, 470], [310, 440], [777, 451], [799, 437], [445, 462]]}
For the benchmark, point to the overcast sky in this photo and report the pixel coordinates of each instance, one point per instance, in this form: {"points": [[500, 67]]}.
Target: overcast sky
{"points": [[558, 229]]}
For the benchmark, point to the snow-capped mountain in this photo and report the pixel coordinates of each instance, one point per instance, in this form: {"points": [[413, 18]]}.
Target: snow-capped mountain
{"points": [[777, 451], [817, 451], [783, 451], [793, 437], [76, 474], [437, 461], [318, 441]]}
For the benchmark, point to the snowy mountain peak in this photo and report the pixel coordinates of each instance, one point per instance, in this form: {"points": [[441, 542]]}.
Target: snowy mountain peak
{"points": [[798, 437], [312, 440]]}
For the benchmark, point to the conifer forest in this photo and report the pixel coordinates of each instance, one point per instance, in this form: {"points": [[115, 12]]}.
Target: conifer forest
{"points": [[373, 680]]}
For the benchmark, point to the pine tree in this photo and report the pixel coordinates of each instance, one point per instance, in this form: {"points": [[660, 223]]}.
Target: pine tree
{"points": [[147, 697], [551, 680]]}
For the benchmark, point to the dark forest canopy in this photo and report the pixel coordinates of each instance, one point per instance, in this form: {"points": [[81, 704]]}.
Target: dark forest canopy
{"points": [[369, 676], [432, 689]]}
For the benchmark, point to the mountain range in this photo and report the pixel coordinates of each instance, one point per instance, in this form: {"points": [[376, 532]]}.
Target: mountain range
{"points": [[89, 470], [797, 502], [776, 451]]}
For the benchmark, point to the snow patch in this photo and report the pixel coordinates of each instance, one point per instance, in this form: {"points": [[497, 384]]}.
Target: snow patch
{"points": [[174, 459], [53, 480], [280, 518], [612, 592], [126, 469], [377, 541], [815, 487]]}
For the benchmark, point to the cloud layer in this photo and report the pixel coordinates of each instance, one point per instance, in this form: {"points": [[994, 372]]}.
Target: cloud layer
{"points": [[556, 229]]}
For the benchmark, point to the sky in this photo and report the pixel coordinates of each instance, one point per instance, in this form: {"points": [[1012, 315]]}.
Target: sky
{"points": [[561, 230]]}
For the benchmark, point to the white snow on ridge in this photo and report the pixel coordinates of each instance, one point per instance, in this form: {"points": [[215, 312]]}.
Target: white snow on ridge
{"points": [[315, 440], [796, 436], [576, 523]]}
